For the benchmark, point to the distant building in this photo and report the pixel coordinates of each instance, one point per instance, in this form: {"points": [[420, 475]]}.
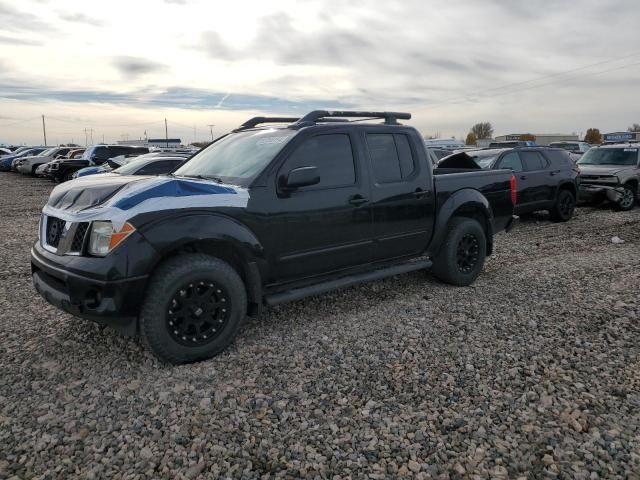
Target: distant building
{"points": [[446, 143], [154, 142], [621, 137], [541, 138]]}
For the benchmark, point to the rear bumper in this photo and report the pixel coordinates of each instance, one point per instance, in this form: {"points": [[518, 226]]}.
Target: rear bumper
{"points": [[114, 303], [589, 192]]}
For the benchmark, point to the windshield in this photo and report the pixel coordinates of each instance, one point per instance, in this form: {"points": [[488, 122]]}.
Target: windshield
{"points": [[610, 156], [131, 167], [566, 146], [238, 157], [49, 151]]}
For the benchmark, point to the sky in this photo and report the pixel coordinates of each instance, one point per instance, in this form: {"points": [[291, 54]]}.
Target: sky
{"points": [[115, 70]]}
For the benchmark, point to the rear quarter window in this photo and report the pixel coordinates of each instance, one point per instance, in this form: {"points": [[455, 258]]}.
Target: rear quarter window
{"points": [[559, 158]]}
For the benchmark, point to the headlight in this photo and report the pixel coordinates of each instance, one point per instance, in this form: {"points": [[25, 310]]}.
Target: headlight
{"points": [[54, 166], [103, 238]]}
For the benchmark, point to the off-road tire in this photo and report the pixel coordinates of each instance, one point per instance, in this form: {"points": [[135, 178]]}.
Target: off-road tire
{"points": [[446, 266], [170, 278], [564, 208]]}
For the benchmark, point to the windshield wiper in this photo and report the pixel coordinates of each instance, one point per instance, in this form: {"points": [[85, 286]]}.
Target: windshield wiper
{"points": [[205, 177]]}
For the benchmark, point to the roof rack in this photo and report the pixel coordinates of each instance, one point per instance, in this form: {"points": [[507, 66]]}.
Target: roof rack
{"points": [[311, 118], [252, 122]]}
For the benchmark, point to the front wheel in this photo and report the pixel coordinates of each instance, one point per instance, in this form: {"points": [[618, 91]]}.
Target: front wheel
{"points": [[68, 175], [563, 209], [462, 254], [193, 308], [628, 199]]}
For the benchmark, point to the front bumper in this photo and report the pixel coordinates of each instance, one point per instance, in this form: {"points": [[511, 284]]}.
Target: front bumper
{"points": [[24, 168], [114, 303], [589, 191]]}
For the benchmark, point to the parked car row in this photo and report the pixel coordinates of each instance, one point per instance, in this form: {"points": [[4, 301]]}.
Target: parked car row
{"points": [[549, 179], [64, 163]]}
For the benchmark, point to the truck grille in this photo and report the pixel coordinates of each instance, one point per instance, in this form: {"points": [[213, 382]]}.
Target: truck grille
{"points": [[64, 238], [54, 231], [78, 238]]}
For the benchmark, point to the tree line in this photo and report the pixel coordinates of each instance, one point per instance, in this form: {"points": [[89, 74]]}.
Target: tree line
{"points": [[484, 131]]}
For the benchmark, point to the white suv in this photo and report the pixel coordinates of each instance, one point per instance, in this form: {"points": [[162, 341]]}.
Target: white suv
{"points": [[28, 165]]}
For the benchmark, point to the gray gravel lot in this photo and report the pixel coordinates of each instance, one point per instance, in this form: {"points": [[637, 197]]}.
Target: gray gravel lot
{"points": [[532, 372]]}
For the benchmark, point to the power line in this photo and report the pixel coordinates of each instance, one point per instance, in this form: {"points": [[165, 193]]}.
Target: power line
{"points": [[502, 93]]}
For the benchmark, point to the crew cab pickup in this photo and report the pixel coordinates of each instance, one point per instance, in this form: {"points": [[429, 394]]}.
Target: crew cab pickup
{"points": [[279, 209]]}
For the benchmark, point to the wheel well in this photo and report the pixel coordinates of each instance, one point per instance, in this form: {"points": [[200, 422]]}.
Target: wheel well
{"points": [[479, 215], [633, 183], [226, 252], [570, 187]]}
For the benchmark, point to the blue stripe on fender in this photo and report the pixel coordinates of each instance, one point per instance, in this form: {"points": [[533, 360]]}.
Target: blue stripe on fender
{"points": [[171, 189]]}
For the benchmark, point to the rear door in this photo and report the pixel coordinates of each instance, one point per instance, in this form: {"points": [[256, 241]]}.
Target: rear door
{"points": [[324, 227], [401, 195], [540, 187]]}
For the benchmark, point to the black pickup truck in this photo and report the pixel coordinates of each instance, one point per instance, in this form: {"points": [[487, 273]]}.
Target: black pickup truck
{"points": [[279, 209]]}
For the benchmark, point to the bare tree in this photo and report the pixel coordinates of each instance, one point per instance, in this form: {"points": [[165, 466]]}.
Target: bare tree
{"points": [[635, 127], [482, 130]]}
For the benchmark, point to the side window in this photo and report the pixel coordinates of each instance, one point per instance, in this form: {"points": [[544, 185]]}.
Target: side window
{"points": [[391, 157], [330, 154], [533, 161], [511, 161]]}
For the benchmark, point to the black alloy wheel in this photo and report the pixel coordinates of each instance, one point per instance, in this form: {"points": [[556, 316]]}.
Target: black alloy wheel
{"points": [[467, 253], [564, 208], [198, 312], [193, 308]]}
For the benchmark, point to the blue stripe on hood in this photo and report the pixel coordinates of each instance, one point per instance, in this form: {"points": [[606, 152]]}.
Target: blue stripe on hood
{"points": [[171, 189]]}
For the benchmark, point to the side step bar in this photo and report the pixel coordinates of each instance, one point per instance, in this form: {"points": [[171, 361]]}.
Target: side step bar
{"points": [[347, 281]]}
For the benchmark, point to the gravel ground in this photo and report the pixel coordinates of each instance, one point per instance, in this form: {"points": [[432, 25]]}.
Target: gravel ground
{"points": [[532, 372]]}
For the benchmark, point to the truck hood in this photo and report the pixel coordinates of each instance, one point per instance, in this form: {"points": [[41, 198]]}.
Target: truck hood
{"points": [[119, 197], [604, 169]]}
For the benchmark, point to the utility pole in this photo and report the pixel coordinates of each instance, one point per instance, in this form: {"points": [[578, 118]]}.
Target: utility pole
{"points": [[211, 130], [166, 132], [44, 131]]}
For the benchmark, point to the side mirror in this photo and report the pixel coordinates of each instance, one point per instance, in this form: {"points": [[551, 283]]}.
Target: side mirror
{"points": [[301, 177]]}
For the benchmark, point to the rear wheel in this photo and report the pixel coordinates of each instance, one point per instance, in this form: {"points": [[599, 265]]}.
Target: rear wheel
{"points": [[563, 209], [462, 254], [193, 308], [628, 200]]}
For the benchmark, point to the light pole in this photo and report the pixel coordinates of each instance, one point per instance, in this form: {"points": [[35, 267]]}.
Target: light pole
{"points": [[211, 129]]}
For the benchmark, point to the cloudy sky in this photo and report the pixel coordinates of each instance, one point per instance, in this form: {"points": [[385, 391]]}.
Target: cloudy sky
{"points": [[121, 67]]}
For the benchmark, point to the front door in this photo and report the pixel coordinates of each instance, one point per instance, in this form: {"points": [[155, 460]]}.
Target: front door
{"points": [[327, 226]]}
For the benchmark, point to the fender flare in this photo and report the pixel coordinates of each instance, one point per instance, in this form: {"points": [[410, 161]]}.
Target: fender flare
{"points": [[179, 231], [465, 202]]}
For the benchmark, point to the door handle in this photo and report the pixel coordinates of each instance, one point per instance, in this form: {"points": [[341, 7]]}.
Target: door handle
{"points": [[420, 193], [523, 177], [553, 172], [358, 200]]}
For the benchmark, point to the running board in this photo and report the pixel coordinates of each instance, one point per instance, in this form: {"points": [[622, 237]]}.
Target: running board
{"points": [[347, 281]]}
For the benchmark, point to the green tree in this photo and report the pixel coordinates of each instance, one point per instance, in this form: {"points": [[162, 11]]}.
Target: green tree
{"points": [[482, 130], [593, 136], [471, 139], [635, 127]]}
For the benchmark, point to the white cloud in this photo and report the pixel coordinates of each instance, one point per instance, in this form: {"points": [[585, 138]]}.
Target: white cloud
{"points": [[407, 55]]}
